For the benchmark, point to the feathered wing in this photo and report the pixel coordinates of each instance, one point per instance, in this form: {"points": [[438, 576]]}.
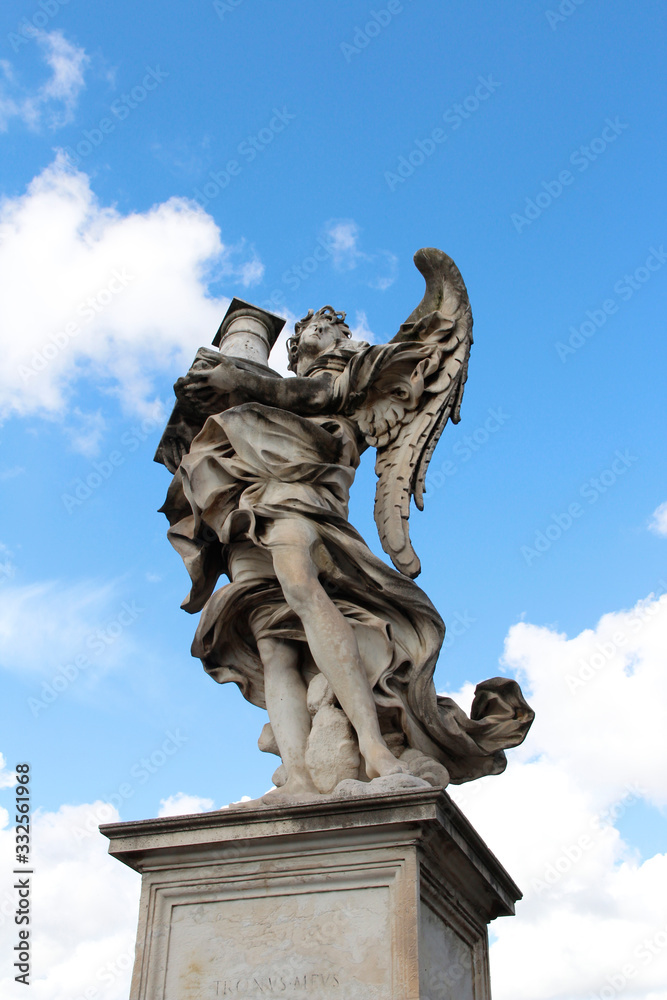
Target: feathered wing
{"points": [[417, 389]]}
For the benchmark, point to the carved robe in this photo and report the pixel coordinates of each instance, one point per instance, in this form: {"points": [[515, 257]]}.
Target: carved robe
{"points": [[253, 465]]}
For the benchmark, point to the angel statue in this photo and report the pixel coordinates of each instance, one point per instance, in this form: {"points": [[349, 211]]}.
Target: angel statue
{"points": [[339, 648]]}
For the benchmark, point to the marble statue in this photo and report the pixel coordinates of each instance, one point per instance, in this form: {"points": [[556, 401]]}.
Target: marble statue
{"points": [[339, 648]]}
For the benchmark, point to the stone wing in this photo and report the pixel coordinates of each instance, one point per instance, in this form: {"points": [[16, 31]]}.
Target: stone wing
{"points": [[413, 396]]}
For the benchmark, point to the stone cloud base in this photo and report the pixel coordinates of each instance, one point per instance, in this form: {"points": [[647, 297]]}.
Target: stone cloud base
{"points": [[383, 897]]}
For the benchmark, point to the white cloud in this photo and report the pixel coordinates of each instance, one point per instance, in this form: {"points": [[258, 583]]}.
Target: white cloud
{"points": [[360, 328], [86, 431], [658, 523], [251, 272], [120, 298], [181, 804], [85, 906], [343, 237], [597, 749], [68, 63], [7, 778], [378, 270], [54, 102], [278, 356], [592, 923]]}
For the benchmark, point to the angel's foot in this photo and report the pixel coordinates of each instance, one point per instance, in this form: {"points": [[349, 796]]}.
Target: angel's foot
{"points": [[297, 786], [380, 762]]}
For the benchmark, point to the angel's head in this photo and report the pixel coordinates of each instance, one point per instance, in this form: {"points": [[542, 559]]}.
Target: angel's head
{"points": [[317, 333]]}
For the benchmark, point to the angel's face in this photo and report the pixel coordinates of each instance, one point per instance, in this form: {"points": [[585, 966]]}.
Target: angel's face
{"points": [[318, 336]]}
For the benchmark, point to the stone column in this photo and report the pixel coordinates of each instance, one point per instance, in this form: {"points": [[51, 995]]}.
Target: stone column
{"points": [[383, 897], [248, 332]]}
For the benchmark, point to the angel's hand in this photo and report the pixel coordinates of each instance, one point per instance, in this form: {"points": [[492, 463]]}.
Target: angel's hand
{"points": [[206, 387], [173, 450]]}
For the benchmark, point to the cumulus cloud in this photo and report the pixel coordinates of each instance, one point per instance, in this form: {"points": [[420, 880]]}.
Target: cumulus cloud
{"points": [[182, 804], [89, 293], [658, 522], [53, 103], [85, 906], [592, 923], [378, 270], [592, 919]]}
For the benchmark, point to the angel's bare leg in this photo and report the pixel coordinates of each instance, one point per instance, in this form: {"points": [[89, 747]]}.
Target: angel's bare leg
{"points": [[285, 692], [332, 642]]}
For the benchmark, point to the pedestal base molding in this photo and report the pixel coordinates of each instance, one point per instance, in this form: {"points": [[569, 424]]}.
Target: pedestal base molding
{"points": [[377, 898]]}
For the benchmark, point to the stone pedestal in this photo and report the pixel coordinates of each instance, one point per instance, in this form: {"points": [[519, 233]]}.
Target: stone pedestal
{"points": [[382, 897]]}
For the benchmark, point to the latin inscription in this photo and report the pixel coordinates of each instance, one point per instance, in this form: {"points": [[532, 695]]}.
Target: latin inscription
{"points": [[263, 985]]}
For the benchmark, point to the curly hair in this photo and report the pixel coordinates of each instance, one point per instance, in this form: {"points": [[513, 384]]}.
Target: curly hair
{"points": [[336, 319]]}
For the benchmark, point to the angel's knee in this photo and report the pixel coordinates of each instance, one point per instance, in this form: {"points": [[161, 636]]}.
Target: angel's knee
{"points": [[298, 578]]}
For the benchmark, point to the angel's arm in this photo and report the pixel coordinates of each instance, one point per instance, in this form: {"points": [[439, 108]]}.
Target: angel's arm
{"points": [[211, 389]]}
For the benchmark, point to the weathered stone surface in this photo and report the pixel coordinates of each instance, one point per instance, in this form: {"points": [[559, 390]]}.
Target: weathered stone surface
{"points": [[332, 752], [390, 783], [262, 471], [376, 898]]}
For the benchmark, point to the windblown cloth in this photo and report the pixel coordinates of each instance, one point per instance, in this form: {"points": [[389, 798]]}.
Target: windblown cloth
{"points": [[254, 465]]}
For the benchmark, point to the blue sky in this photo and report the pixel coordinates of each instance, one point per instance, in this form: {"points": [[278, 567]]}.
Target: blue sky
{"points": [[158, 160]]}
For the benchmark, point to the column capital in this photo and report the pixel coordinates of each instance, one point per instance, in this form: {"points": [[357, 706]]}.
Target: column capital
{"points": [[238, 309]]}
